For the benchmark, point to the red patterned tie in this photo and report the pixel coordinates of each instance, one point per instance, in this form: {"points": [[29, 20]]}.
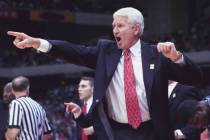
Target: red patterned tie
{"points": [[132, 105], [84, 111], [84, 108]]}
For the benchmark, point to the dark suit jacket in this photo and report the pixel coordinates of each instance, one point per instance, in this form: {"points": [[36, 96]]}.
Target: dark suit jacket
{"points": [[104, 58], [179, 94], [4, 112], [89, 118]]}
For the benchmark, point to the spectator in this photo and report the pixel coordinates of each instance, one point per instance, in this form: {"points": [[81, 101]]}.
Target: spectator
{"points": [[4, 108]]}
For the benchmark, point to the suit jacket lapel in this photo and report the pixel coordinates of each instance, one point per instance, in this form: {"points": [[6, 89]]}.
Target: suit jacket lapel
{"points": [[148, 65], [173, 94], [171, 97], [112, 60]]}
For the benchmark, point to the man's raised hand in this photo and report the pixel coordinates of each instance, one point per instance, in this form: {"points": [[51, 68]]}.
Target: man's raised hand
{"points": [[168, 49], [23, 40]]}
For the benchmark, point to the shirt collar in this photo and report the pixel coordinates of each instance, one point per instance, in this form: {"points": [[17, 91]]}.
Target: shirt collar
{"points": [[22, 96], [171, 88], [136, 48], [90, 100]]}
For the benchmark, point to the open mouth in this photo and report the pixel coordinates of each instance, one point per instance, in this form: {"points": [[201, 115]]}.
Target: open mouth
{"points": [[118, 39]]}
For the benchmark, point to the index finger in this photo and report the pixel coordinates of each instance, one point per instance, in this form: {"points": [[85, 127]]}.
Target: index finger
{"points": [[66, 103], [69, 107], [16, 34]]}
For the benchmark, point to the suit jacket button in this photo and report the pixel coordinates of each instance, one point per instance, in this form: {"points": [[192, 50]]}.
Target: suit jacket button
{"points": [[97, 100]]}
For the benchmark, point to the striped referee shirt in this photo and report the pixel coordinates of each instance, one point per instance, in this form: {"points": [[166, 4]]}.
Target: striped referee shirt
{"points": [[30, 117]]}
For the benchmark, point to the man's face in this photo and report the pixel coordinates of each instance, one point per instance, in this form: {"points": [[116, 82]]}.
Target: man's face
{"points": [[85, 90], [8, 96], [126, 34]]}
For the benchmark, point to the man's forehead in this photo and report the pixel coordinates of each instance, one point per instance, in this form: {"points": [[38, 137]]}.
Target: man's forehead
{"points": [[121, 17], [84, 82]]}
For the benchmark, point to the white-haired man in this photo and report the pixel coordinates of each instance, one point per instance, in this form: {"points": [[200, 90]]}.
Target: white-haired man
{"points": [[130, 99]]}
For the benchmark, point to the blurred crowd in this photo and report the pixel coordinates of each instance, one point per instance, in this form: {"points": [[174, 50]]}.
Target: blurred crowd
{"points": [[107, 6], [196, 39], [15, 58], [64, 127]]}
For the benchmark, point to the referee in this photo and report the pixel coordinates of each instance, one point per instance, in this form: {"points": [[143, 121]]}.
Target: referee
{"points": [[27, 118]]}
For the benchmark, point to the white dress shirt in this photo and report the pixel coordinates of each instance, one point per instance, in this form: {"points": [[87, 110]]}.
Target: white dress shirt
{"points": [[45, 46], [171, 87], [89, 103], [115, 93]]}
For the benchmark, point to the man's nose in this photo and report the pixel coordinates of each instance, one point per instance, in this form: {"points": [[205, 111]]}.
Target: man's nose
{"points": [[80, 88], [115, 30]]}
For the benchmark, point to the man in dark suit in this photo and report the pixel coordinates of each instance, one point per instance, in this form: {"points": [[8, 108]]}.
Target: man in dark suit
{"points": [[85, 90], [131, 78], [178, 93], [4, 109]]}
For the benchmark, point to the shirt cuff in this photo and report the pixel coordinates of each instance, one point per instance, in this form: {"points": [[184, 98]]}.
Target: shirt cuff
{"points": [[179, 135], [180, 60], [45, 46]]}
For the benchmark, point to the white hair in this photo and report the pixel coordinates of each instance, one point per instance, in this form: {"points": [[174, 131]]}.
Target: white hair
{"points": [[134, 16]]}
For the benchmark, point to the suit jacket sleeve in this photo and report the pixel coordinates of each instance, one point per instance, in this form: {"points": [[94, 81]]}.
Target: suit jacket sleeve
{"points": [[190, 92], [84, 121], [187, 73], [74, 53]]}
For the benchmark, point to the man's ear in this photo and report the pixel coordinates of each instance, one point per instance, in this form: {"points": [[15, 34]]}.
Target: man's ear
{"points": [[28, 90], [137, 28], [92, 89]]}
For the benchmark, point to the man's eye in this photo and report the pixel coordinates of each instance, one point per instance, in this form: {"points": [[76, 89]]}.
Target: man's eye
{"points": [[120, 25]]}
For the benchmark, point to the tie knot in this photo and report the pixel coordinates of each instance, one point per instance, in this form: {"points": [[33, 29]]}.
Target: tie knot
{"points": [[127, 52], [85, 103]]}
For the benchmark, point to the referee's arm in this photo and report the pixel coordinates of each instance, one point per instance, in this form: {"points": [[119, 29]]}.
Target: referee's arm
{"points": [[47, 130], [13, 130]]}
